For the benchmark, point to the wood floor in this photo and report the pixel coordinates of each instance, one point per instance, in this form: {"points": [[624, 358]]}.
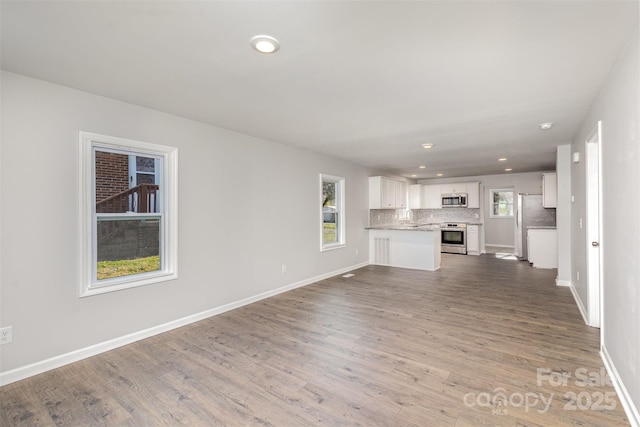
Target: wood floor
{"points": [[388, 347]]}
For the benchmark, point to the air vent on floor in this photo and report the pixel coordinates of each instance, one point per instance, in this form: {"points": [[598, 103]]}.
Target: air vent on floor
{"points": [[346, 276]]}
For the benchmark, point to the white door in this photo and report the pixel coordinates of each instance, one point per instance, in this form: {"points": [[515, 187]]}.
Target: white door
{"points": [[593, 149]]}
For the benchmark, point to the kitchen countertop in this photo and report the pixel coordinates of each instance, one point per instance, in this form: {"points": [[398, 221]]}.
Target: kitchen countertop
{"points": [[423, 226], [413, 227], [541, 227], [455, 222]]}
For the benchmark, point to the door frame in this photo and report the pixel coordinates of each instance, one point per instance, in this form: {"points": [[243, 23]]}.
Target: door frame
{"points": [[593, 190], [133, 170]]}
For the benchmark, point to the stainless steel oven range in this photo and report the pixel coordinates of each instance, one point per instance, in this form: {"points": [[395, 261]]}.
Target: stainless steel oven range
{"points": [[454, 238]]}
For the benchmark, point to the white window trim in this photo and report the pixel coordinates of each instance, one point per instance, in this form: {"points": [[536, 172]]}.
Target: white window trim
{"points": [[341, 235], [168, 233], [496, 190]]}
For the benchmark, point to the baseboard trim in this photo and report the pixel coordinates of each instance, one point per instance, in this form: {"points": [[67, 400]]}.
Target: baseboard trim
{"points": [[564, 283], [36, 368], [623, 394], [576, 297]]}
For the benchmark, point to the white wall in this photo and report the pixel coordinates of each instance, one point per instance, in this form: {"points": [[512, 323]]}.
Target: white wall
{"points": [[618, 107], [498, 231], [563, 214], [246, 206]]}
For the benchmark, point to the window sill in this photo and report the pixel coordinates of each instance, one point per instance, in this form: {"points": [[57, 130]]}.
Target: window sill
{"points": [[128, 283], [332, 247]]}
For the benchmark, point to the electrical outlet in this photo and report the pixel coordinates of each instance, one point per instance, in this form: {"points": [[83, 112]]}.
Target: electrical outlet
{"points": [[578, 275], [357, 251], [284, 268], [378, 217], [6, 335]]}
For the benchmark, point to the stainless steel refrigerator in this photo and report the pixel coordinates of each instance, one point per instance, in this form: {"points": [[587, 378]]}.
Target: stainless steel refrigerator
{"points": [[530, 213]]}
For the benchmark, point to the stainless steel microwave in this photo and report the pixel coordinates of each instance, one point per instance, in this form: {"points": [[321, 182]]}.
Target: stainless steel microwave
{"points": [[457, 200]]}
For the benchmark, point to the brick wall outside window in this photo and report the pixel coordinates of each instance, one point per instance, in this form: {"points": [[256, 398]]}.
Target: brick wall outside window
{"points": [[112, 174]]}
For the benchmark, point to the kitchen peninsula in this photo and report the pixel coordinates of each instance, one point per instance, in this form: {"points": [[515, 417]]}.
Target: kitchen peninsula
{"points": [[407, 246]]}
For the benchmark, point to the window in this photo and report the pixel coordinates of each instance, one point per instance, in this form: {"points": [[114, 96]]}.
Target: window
{"points": [[501, 203], [129, 213], [332, 212]]}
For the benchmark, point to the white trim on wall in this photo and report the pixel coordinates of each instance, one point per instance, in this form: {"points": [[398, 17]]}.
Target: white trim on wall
{"points": [[576, 297], [632, 412], [27, 371]]}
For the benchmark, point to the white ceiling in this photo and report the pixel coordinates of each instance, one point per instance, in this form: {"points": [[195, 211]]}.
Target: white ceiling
{"points": [[365, 81]]}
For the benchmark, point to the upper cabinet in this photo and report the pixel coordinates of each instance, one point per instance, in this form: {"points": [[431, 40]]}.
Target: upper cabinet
{"points": [[549, 190], [424, 197], [415, 196], [473, 194], [385, 193], [401, 194], [431, 197], [452, 188]]}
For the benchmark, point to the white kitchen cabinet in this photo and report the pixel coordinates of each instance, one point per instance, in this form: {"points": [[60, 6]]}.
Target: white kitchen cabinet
{"points": [[473, 195], [549, 190], [431, 197], [377, 186], [418, 249], [385, 193], [400, 194], [543, 247], [388, 195], [452, 188], [415, 196], [473, 239]]}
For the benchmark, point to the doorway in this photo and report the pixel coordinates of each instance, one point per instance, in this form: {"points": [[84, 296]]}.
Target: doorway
{"points": [[593, 150]]}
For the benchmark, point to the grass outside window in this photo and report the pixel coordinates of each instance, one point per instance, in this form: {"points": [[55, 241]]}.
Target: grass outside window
{"points": [[329, 233], [126, 267]]}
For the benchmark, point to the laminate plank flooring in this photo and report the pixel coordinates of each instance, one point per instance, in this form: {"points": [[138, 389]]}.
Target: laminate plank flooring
{"points": [[388, 347]]}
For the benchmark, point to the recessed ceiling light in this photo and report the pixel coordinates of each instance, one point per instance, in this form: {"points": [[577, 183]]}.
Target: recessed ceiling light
{"points": [[439, 174], [546, 126], [508, 170], [422, 167], [427, 146], [265, 44], [502, 159], [413, 175]]}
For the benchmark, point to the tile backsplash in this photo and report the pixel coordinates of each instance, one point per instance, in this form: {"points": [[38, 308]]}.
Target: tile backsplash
{"points": [[391, 216], [384, 216]]}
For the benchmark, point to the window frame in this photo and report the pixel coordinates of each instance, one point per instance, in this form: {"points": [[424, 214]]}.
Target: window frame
{"points": [[168, 234], [340, 213], [491, 203]]}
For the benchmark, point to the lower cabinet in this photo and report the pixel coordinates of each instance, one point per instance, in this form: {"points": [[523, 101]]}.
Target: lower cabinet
{"points": [[405, 248], [543, 247], [473, 239]]}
